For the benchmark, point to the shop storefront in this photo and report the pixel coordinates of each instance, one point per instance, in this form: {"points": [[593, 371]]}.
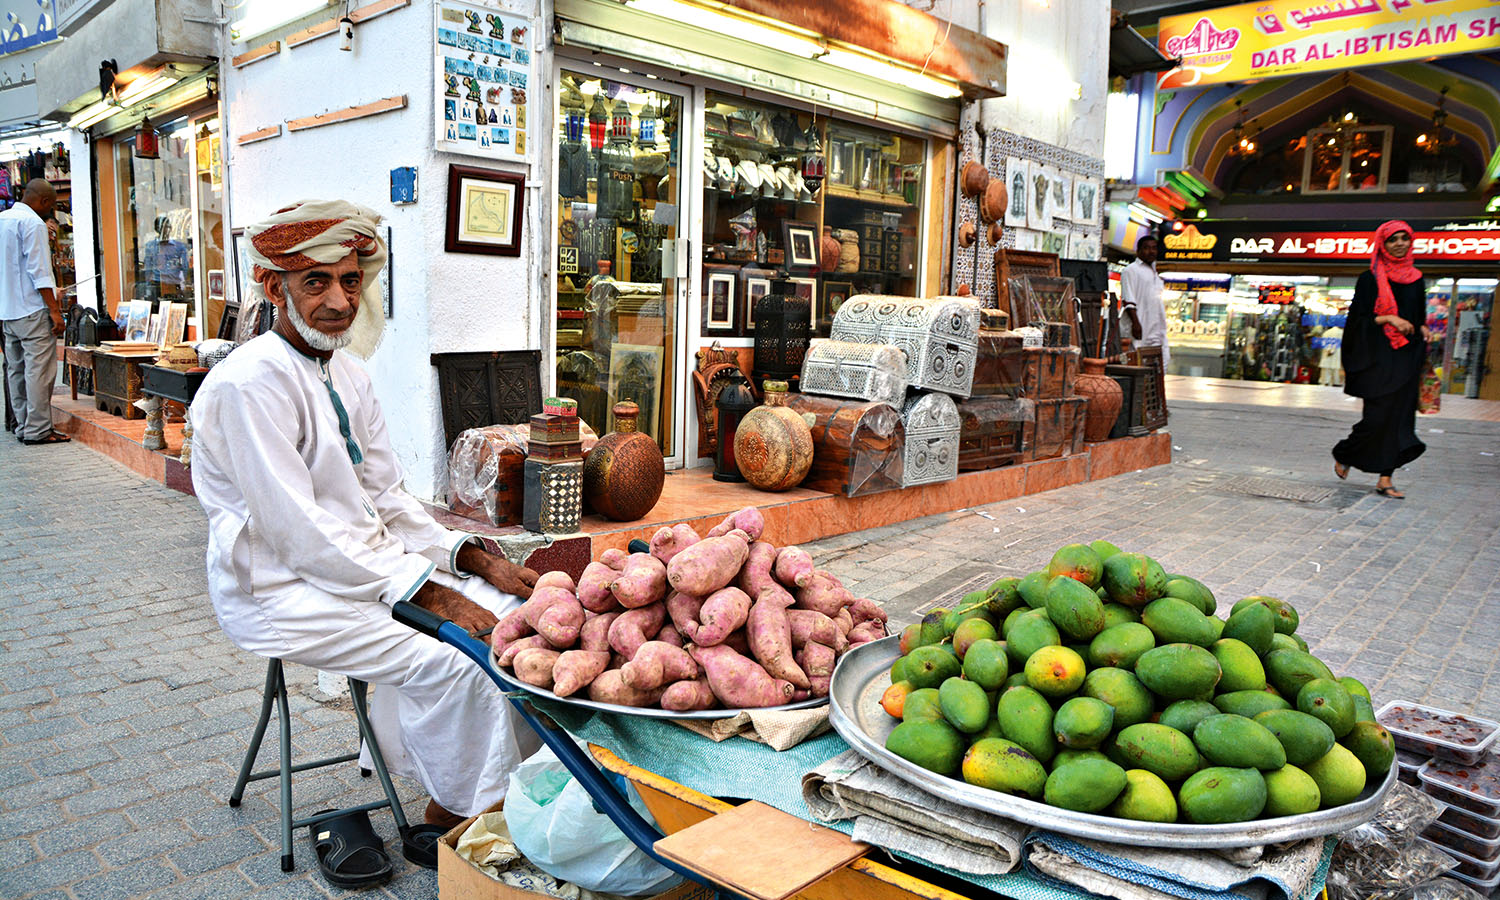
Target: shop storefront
{"points": [[39, 153], [1266, 303]]}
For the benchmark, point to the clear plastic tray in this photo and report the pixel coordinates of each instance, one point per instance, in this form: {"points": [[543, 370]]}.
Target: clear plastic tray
{"points": [[1479, 826], [1475, 789], [1407, 764], [1472, 870], [1438, 732], [1482, 852]]}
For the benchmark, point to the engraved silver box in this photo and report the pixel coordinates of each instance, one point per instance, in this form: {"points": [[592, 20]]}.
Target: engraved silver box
{"points": [[862, 371], [939, 336], [932, 432]]}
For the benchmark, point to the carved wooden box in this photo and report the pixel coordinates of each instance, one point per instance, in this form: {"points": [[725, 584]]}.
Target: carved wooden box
{"points": [[485, 474], [1057, 429], [932, 430], [999, 365], [860, 371], [117, 383], [990, 432], [554, 496], [857, 446], [1050, 372], [938, 336]]}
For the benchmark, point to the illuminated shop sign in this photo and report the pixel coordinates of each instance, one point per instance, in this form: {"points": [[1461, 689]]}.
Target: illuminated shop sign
{"points": [[1448, 242], [1275, 38]]}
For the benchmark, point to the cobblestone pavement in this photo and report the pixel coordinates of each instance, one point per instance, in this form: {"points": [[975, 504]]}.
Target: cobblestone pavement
{"points": [[124, 711]]}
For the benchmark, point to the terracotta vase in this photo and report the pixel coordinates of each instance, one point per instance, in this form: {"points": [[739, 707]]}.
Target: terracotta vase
{"points": [[828, 250], [1104, 396], [773, 445], [624, 473]]}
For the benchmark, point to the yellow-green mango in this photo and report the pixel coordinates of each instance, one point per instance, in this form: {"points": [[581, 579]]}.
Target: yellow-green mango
{"points": [[1120, 645], [1242, 668], [1119, 688], [1167, 752], [1304, 737], [1079, 562], [1067, 755], [1005, 766], [1239, 743], [1220, 794], [1133, 579], [1028, 635], [1372, 745], [1290, 792], [1026, 718], [1085, 785], [1146, 798], [1326, 699], [935, 746], [1339, 774]]}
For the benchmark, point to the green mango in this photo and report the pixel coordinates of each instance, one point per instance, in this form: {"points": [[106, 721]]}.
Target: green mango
{"points": [[1002, 597], [1176, 621], [1253, 624], [1117, 613], [1290, 792], [1146, 798], [1033, 589], [1355, 687], [1079, 562], [1026, 718], [1184, 715], [1304, 737], [922, 706], [1220, 794], [1119, 688], [1289, 670], [1242, 667], [1166, 752], [1085, 785], [1364, 711], [1193, 591], [1104, 548], [986, 664], [964, 705], [1249, 703], [1326, 699], [1082, 723], [1133, 579], [1074, 608], [1340, 776], [1178, 671], [1239, 743], [1281, 641], [1067, 755], [1120, 645], [1372, 745], [1028, 635], [969, 631], [935, 746], [930, 666]]}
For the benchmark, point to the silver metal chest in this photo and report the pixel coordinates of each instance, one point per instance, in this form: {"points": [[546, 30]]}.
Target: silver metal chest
{"points": [[939, 336], [863, 371], [932, 432]]}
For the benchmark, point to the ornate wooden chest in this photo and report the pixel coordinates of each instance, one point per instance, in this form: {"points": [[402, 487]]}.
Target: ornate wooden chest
{"points": [[485, 473], [858, 370], [1057, 429], [857, 446], [938, 336], [990, 431], [554, 496], [118, 381], [932, 431], [999, 365], [1049, 373]]}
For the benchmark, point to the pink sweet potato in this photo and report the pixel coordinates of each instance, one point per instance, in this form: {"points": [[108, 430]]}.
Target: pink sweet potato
{"points": [[755, 575], [748, 520], [684, 610], [555, 614], [864, 632], [770, 635], [807, 625], [507, 656], [669, 634], [613, 557], [844, 621], [688, 696], [817, 661], [593, 587], [577, 669], [556, 579], [595, 632], [634, 627], [643, 581], [794, 568], [823, 594], [609, 688], [668, 542], [799, 695], [738, 641], [866, 610], [709, 564], [534, 666], [739, 682], [511, 627], [723, 611], [657, 664]]}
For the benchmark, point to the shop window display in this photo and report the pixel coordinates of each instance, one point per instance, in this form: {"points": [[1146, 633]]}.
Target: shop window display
{"points": [[156, 225]]}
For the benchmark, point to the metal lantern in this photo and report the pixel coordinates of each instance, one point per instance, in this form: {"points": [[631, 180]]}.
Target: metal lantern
{"points": [[814, 165], [734, 401], [146, 141], [782, 327]]}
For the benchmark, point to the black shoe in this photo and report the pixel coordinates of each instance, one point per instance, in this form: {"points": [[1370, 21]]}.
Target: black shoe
{"points": [[350, 854]]}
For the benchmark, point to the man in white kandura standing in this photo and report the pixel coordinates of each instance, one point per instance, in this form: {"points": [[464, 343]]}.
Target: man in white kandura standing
{"points": [[30, 315], [1141, 295], [312, 538]]}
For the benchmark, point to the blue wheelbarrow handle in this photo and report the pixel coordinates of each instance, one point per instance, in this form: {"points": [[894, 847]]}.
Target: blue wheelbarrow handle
{"points": [[606, 796]]}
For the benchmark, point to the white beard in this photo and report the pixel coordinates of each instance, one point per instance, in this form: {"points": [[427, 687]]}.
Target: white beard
{"points": [[315, 338]]}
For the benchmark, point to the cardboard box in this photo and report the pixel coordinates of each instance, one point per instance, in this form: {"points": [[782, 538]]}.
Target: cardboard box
{"points": [[458, 879]]}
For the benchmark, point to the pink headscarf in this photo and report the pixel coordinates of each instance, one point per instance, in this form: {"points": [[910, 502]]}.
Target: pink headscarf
{"points": [[1387, 269]]}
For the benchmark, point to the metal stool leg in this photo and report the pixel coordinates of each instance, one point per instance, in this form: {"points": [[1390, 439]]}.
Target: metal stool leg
{"points": [[273, 675], [377, 759], [286, 775]]}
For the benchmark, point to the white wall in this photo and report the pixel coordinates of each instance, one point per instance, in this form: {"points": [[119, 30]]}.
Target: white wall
{"points": [[81, 201], [443, 302]]}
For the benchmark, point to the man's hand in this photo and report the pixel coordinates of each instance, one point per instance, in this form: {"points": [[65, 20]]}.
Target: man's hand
{"points": [[505, 575], [57, 325], [455, 607]]}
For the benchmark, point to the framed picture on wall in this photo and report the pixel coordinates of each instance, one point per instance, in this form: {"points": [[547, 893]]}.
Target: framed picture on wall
{"points": [[484, 211], [242, 267], [756, 284], [801, 247], [1018, 185], [806, 289], [721, 314], [834, 295]]}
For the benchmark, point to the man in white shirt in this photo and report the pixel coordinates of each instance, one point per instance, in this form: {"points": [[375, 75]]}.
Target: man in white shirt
{"points": [[312, 538], [29, 313], [1140, 293]]}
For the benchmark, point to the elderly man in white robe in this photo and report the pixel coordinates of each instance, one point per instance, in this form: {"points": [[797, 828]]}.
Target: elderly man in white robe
{"points": [[311, 536]]}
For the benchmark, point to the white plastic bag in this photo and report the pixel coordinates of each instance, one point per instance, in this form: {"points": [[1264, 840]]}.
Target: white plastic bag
{"points": [[554, 824]]}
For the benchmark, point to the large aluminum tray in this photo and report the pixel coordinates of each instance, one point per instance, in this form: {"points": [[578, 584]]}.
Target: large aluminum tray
{"points": [[862, 676], [515, 683]]}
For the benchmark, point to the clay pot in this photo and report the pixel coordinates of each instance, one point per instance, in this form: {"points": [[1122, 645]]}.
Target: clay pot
{"points": [[966, 235], [624, 473], [975, 179], [773, 446], [1104, 396], [848, 240], [992, 204], [828, 250]]}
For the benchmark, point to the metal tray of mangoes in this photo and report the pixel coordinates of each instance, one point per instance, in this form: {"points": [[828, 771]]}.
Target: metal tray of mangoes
{"points": [[862, 676]]}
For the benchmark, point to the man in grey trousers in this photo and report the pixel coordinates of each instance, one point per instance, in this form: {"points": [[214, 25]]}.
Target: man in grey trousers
{"points": [[30, 313]]}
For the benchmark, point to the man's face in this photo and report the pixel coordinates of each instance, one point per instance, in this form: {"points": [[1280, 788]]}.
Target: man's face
{"points": [[326, 297], [1146, 252]]}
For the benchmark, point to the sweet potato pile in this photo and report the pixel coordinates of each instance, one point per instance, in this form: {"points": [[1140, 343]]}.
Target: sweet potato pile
{"points": [[725, 620]]}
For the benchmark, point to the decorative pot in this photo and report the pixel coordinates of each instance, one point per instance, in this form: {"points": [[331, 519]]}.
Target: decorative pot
{"points": [[848, 240], [828, 250], [975, 178], [992, 202], [624, 473], [1104, 396], [773, 445]]}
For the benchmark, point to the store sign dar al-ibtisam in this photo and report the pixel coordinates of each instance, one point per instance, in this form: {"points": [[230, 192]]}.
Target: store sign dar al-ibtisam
{"points": [[1274, 38], [1211, 242]]}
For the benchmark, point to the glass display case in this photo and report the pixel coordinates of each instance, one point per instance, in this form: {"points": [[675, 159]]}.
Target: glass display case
{"points": [[1197, 308]]}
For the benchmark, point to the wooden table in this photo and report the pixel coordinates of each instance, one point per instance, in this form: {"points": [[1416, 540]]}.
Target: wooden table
{"points": [[78, 359]]}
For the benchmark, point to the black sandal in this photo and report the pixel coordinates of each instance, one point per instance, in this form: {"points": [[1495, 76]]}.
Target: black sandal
{"points": [[1341, 470], [419, 844], [1390, 492], [350, 853], [55, 437]]}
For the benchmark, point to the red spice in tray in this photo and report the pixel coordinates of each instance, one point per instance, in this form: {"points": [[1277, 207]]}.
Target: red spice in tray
{"points": [[1481, 781], [1453, 729]]}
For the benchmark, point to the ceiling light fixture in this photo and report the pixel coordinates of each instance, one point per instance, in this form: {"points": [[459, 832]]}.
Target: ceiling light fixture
{"points": [[269, 15]]}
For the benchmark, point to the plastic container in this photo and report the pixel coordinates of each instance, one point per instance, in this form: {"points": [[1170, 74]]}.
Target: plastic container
{"points": [[1438, 732], [1407, 764], [1483, 852], [1476, 872], [1475, 789], [1463, 820]]}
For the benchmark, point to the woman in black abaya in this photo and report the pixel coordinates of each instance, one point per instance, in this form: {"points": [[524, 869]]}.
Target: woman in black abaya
{"points": [[1384, 346]]}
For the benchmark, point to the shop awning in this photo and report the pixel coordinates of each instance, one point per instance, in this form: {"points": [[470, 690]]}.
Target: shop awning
{"points": [[865, 61], [1131, 54]]}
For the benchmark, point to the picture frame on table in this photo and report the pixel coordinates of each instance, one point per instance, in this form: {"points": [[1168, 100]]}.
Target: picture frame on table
{"points": [[801, 241], [484, 211], [721, 313], [834, 294]]}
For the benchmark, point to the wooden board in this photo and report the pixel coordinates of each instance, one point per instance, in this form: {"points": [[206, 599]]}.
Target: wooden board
{"points": [[747, 849]]}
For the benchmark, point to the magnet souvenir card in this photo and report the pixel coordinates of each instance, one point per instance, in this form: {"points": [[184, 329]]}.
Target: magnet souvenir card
{"points": [[483, 74]]}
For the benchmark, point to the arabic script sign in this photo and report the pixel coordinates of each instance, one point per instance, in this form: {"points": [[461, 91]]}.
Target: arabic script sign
{"points": [[26, 23], [1274, 38]]}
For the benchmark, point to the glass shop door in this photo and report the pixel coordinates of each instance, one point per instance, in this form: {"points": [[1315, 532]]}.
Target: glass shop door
{"points": [[620, 272]]}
